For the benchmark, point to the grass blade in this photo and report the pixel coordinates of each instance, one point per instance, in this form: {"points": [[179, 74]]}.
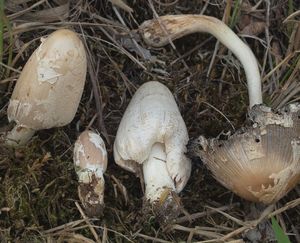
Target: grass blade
{"points": [[281, 237]]}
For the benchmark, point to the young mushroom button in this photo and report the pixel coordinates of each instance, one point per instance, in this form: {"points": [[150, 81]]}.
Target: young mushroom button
{"points": [[90, 161], [262, 161], [49, 89], [152, 134]]}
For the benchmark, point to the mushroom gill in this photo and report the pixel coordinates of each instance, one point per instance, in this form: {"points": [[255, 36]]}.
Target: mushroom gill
{"points": [[260, 163]]}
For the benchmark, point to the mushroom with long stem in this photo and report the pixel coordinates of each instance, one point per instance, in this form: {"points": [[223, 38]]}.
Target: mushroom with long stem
{"points": [[159, 32], [261, 162], [90, 161], [153, 135], [48, 91]]}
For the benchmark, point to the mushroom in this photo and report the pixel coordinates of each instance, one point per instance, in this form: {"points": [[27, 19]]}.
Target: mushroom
{"points": [[152, 134], [261, 162], [49, 89], [90, 161], [158, 32]]}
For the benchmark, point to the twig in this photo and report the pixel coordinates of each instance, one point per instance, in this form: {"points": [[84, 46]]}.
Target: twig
{"points": [[104, 236], [204, 7], [291, 16], [202, 214], [197, 231], [283, 62], [217, 45], [287, 206], [268, 40], [97, 94], [64, 226], [19, 13], [221, 113], [137, 46], [162, 26], [88, 223], [146, 237]]}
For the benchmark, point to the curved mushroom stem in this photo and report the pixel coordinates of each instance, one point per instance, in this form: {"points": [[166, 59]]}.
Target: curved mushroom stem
{"points": [[159, 185], [19, 135], [158, 32]]}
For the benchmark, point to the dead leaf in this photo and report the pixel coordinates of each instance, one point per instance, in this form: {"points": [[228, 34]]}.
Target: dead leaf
{"points": [[254, 28]]}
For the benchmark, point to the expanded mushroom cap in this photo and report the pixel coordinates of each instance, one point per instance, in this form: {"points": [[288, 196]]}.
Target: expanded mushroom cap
{"points": [[153, 127], [262, 162], [90, 160], [49, 89]]}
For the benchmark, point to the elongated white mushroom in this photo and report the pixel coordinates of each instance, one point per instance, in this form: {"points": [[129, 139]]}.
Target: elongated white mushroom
{"points": [[90, 160], [261, 162], [159, 32], [153, 134], [48, 91]]}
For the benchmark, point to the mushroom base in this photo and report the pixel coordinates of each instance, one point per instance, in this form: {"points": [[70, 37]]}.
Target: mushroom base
{"points": [[91, 196], [19, 135], [166, 209]]}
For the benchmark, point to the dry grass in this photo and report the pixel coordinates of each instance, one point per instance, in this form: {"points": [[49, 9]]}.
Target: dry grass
{"points": [[38, 187]]}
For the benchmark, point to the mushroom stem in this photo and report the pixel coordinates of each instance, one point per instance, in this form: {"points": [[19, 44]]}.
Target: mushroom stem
{"points": [[90, 160], [156, 176], [19, 135], [91, 190], [158, 32]]}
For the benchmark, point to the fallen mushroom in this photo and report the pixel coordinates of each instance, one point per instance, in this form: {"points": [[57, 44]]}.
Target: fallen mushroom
{"points": [[48, 91], [152, 134], [90, 161], [158, 32], [260, 162]]}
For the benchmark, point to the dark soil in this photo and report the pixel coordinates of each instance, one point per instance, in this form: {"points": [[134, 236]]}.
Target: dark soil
{"points": [[38, 184]]}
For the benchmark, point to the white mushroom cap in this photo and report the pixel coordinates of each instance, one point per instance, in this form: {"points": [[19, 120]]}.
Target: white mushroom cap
{"points": [[152, 117], [49, 89], [90, 160]]}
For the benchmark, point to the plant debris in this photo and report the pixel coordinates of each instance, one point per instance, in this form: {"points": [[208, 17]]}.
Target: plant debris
{"points": [[38, 184]]}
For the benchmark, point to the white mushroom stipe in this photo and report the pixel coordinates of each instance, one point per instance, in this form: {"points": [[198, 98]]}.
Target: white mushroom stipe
{"points": [[90, 161], [19, 135], [156, 175], [158, 32], [49, 89], [152, 118]]}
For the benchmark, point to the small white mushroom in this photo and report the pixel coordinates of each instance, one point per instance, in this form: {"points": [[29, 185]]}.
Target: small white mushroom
{"points": [[153, 134], [49, 89], [90, 161]]}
